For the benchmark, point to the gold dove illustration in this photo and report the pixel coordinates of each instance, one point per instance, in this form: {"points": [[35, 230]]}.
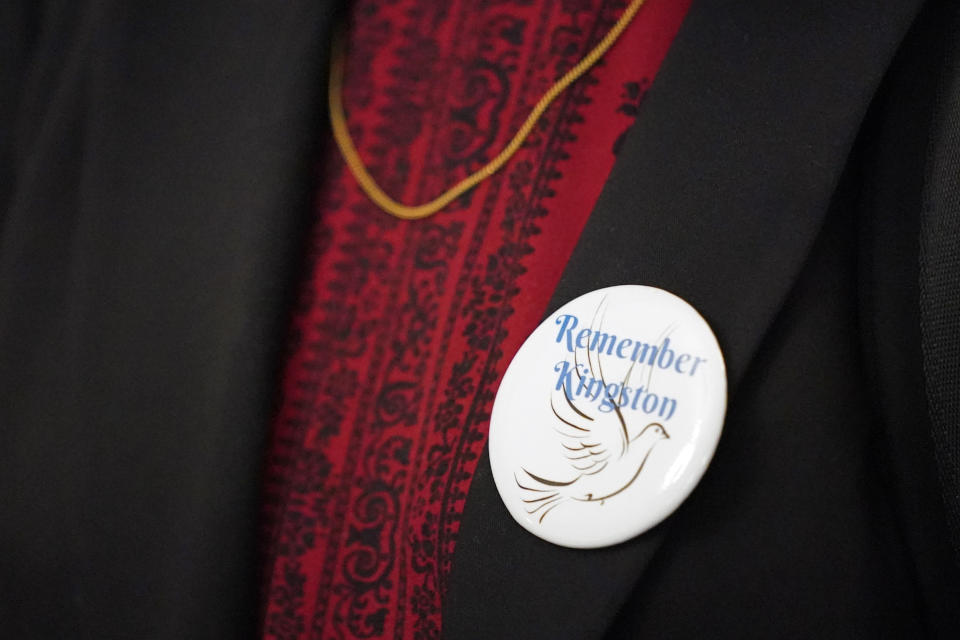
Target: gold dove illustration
{"points": [[605, 452]]}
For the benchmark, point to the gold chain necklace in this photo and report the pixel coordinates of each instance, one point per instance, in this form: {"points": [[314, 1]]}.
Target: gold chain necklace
{"points": [[405, 212]]}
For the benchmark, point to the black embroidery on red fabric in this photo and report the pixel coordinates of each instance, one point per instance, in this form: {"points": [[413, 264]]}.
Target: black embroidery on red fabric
{"points": [[632, 95], [377, 437]]}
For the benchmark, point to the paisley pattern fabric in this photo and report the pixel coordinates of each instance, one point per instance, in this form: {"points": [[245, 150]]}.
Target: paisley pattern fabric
{"points": [[402, 330]]}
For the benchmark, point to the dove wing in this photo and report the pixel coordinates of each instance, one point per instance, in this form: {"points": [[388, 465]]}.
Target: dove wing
{"points": [[590, 438], [588, 442]]}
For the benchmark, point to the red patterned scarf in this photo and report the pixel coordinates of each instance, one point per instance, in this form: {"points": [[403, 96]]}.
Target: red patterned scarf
{"points": [[403, 330]]}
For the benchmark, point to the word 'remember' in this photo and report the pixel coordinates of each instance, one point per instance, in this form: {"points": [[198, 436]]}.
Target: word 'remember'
{"points": [[600, 342], [616, 395]]}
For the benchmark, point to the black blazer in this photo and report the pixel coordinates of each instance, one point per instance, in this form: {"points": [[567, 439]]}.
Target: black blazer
{"points": [[792, 174]]}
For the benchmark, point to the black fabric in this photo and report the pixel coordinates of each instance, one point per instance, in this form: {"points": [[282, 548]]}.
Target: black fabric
{"points": [[940, 259], [160, 176], [892, 170], [722, 186], [20, 31], [794, 497]]}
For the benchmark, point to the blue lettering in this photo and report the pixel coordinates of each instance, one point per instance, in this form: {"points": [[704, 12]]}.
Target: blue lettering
{"points": [[696, 361], [665, 350], [565, 320], [608, 403], [648, 406], [663, 407], [582, 338], [564, 380]]}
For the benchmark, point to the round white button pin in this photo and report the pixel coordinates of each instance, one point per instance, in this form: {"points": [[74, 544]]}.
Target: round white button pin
{"points": [[607, 417]]}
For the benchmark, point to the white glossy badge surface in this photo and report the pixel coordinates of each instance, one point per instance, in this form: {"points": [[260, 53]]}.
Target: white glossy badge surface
{"points": [[608, 416]]}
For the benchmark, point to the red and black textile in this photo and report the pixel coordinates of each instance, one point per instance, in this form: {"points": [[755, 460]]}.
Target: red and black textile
{"points": [[403, 330]]}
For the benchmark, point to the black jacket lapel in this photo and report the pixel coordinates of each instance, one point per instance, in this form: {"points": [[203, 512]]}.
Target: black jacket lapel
{"points": [[720, 191], [148, 246], [910, 276], [940, 274]]}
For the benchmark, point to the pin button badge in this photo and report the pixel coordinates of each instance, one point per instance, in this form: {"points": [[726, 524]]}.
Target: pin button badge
{"points": [[608, 416]]}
